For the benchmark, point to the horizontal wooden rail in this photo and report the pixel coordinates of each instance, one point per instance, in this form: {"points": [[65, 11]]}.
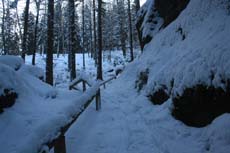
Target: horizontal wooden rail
{"points": [[71, 86], [58, 143], [81, 80], [110, 79]]}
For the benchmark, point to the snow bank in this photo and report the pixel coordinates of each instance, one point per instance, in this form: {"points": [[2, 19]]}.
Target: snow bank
{"points": [[217, 135], [39, 112]]}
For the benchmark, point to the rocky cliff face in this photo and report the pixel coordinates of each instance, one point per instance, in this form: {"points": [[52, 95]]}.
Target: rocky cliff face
{"points": [[155, 15], [170, 9]]}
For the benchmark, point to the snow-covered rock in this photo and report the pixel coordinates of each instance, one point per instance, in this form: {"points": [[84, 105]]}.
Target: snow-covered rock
{"points": [[204, 52], [8, 78], [14, 62], [190, 52], [33, 70]]}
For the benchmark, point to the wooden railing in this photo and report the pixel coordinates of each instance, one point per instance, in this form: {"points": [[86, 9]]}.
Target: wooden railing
{"points": [[59, 143]]}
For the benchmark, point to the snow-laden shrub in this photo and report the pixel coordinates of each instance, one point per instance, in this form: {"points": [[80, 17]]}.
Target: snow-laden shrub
{"points": [[14, 62]]}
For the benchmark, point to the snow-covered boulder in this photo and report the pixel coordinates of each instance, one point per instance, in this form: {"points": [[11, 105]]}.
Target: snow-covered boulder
{"points": [[8, 82], [33, 70], [21, 83], [189, 61], [14, 62]]}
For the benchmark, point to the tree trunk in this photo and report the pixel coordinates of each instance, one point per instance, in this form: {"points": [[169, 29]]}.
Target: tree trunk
{"points": [[122, 30], [35, 32], [94, 32], [72, 39], [3, 27], [91, 32], [99, 66], [19, 25], [130, 32], [60, 32], [83, 33], [62, 37], [49, 52], [25, 29], [137, 4], [83, 41]]}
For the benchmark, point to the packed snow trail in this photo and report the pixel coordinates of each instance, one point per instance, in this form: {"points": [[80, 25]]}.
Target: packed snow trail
{"points": [[129, 123]]}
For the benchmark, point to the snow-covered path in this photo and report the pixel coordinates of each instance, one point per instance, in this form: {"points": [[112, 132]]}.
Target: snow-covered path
{"points": [[129, 123]]}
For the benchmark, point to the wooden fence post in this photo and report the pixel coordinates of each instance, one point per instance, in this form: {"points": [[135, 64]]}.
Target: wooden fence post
{"points": [[59, 144], [98, 100], [83, 86]]}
